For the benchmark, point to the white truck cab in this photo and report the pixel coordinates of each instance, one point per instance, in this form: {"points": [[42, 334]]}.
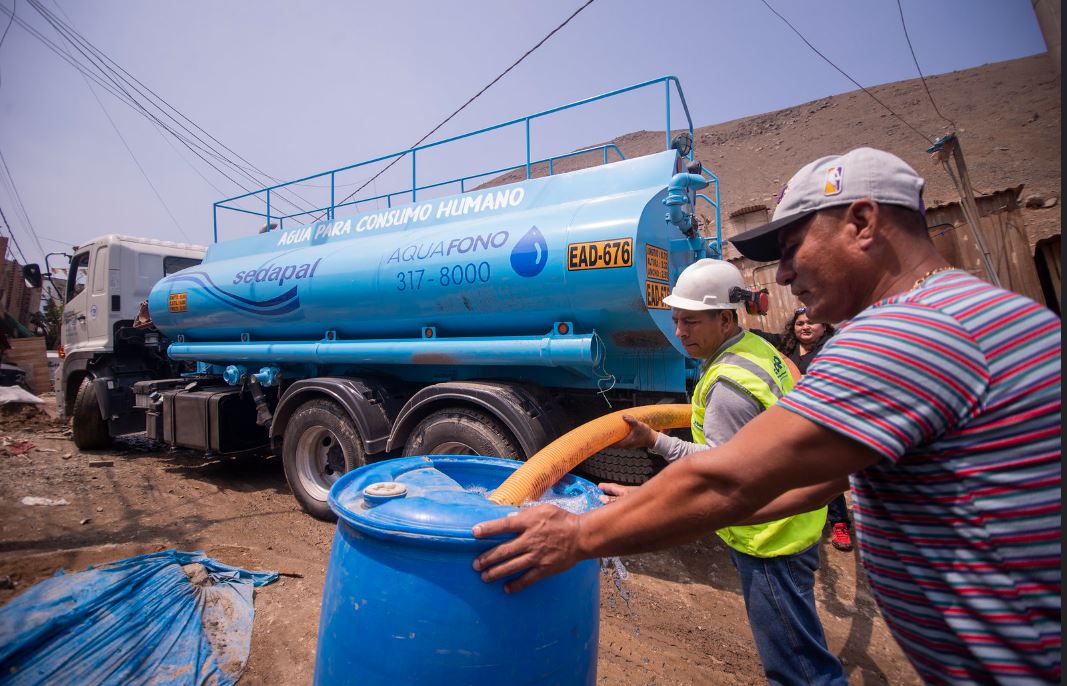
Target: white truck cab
{"points": [[103, 355], [108, 279]]}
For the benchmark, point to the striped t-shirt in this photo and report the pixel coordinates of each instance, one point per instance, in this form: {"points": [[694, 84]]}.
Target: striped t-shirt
{"points": [[957, 385]]}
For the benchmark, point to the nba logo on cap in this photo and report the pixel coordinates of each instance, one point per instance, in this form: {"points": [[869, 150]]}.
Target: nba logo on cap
{"points": [[781, 194], [833, 180]]}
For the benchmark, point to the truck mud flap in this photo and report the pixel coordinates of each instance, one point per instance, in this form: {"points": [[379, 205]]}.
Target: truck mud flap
{"points": [[116, 403]]}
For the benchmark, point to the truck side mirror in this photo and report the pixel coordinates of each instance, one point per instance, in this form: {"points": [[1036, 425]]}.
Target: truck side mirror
{"points": [[32, 274]]}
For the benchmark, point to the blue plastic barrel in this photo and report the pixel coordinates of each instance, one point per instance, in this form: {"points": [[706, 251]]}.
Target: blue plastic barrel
{"points": [[402, 604]]}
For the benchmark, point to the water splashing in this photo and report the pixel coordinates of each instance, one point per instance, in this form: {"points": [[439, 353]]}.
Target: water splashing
{"points": [[616, 572]]}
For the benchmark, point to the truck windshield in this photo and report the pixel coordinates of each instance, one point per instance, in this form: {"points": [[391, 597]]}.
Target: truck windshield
{"points": [[79, 275], [173, 264]]}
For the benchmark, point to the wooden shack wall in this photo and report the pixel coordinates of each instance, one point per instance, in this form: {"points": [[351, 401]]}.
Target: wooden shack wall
{"points": [[1050, 255], [1004, 234], [29, 354]]}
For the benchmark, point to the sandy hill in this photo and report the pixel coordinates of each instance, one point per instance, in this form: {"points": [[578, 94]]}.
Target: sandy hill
{"points": [[1007, 116]]}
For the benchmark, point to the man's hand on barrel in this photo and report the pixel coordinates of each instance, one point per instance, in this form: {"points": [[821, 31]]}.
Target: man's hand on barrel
{"points": [[613, 492], [547, 543]]}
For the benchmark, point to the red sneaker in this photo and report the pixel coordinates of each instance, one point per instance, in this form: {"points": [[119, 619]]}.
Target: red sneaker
{"points": [[841, 538]]}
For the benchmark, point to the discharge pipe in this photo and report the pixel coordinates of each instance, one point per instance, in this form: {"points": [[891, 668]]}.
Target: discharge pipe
{"points": [[678, 198], [549, 464], [543, 351]]}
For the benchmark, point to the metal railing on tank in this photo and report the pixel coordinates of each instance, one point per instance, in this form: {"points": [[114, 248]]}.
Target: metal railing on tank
{"points": [[328, 211], [388, 197]]}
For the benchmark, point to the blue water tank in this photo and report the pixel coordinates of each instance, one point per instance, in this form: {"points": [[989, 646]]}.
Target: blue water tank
{"points": [[592, 248], [402, 604]]}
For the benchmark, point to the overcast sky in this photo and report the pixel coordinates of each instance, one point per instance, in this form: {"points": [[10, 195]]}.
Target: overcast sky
{"points": [[297, 88]]}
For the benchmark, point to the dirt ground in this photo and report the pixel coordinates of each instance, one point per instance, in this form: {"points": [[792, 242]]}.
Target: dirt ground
{"points": [[677, 617]]}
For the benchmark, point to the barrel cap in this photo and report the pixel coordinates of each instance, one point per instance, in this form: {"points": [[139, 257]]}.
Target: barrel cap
{"points": [[384, 491]]}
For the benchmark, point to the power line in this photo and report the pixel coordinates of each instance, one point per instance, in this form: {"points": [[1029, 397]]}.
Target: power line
{"points": [[9, 189], [188, 163], [96, 62], [122, 96], [120, 88], [62, 54], [918, 68], [19, 205], [138, 163], [842, 72], [67, 243], [210, 149], [472, 99], [14, 5], [117, 90], [135, 160], [12, 236]]}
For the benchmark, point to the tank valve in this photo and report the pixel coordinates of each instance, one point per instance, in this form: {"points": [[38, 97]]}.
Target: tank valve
{"points": [[679, 210], [233, 374]]}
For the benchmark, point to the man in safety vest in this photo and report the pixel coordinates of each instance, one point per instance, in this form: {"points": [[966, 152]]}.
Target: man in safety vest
{"points": [[742, 376]]}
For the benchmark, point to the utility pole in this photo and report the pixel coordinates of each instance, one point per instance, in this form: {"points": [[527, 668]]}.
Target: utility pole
{"points": [[1048, 18], [944, 148]]}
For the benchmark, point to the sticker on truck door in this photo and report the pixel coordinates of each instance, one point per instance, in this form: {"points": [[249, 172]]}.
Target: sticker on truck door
{"points": [[617, 252]]}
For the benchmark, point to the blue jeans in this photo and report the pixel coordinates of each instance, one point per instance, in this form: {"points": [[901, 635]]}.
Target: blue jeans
{"points": [[780, 600]]}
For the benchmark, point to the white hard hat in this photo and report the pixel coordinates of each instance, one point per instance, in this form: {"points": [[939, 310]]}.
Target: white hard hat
{"points": [[706, 285]]}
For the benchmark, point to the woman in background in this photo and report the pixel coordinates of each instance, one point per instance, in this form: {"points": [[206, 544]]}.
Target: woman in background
{"points": [[801, 342]]}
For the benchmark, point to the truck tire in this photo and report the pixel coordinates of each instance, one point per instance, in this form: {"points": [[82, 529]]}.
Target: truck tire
{"points": [[88, 428], [628, 467], [320, 444], [462, 431]]}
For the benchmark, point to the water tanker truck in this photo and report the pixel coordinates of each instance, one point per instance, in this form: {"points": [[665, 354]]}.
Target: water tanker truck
{"points": [[482, 322]]}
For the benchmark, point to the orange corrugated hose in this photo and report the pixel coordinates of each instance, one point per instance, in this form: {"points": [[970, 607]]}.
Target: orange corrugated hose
{"points": [[548, 465]]}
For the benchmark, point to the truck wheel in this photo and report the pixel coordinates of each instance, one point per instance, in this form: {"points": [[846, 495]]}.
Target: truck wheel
{"points": [[462, 431], [87, 426], [320, 445], [622, 466]]}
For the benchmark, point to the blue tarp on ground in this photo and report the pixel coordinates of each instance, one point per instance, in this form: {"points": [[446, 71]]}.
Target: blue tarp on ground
{"points": [[136, 621]]}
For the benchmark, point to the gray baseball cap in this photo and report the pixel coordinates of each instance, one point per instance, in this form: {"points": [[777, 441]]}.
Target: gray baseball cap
{"points": [[830, 182]]}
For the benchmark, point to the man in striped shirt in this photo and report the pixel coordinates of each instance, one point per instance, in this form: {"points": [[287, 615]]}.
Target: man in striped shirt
{"points": [[941, 399]]}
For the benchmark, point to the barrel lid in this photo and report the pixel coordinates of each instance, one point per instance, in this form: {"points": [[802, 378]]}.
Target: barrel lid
{"points": [[434, 497]]}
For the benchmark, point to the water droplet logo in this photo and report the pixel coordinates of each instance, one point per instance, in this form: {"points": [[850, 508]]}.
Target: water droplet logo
{"points": [[530, 254]]}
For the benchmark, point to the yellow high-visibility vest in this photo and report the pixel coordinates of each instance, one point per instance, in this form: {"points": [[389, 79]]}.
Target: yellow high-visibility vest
{"points": [[753, 366]]}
